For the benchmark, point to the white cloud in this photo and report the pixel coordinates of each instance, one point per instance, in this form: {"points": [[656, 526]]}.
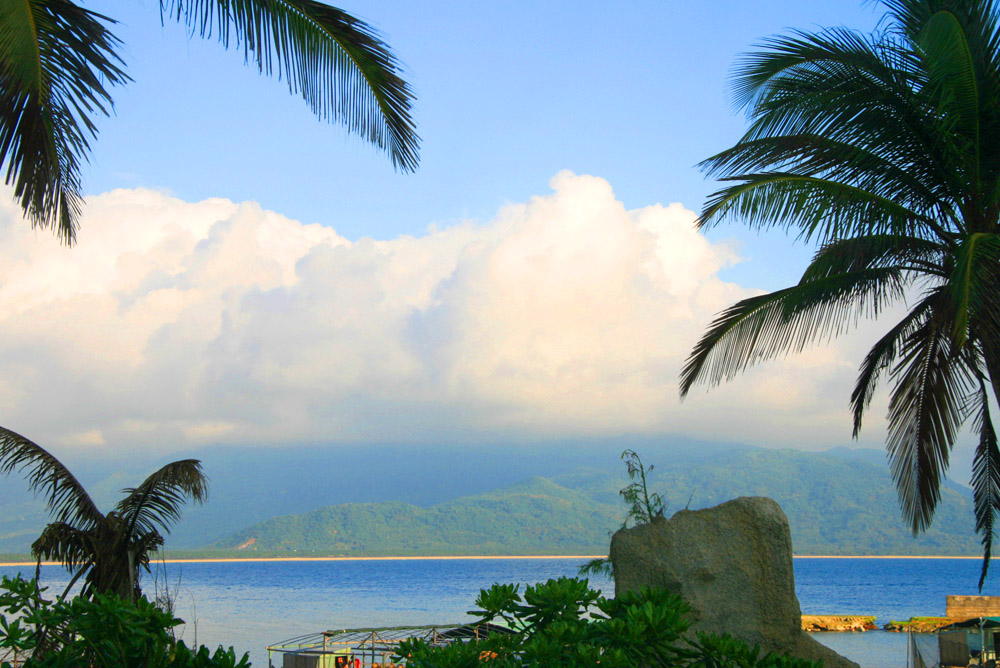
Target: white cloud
{"points": [[175, 323]]}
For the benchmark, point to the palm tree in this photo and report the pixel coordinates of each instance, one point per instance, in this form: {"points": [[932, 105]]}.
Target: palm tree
{"points": [[107, 550], [885, 149], [58, 60]]}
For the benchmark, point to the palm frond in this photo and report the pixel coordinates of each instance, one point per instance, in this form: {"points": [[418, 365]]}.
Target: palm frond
{"points": [[972, 285], [859, 162], [56, 62], [67, 544], [156, 503], [884, 353], [816, 207], [925, 413], [872, 251], [338, 63], [985, 480], [840, 54], [66, 498], [862, 92], [764, 327], [952, 78]]}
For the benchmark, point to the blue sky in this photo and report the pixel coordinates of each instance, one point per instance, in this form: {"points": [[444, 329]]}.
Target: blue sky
{"points": [[507, 96], [247, 274]]}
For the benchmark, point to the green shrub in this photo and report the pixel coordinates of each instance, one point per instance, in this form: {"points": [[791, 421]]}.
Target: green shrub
{"points": [[565, 624], [104, 631]]}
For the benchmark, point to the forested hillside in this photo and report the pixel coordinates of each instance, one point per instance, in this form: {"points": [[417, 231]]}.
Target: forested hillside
{"points": [[835, 505]]}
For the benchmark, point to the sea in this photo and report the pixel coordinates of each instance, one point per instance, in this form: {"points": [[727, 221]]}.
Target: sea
{"points": [[252, 604]]}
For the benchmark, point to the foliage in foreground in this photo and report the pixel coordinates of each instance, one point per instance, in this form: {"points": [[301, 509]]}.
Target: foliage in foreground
{"points": [[58, 61], [565, 624], [102, 631]]}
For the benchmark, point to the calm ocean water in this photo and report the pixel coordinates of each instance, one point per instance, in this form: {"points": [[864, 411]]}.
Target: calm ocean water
{"points": [[251, 605]]}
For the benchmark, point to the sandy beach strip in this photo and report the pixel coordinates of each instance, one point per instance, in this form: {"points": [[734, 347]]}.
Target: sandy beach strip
{"points": [[241, 560], [877, 556]]}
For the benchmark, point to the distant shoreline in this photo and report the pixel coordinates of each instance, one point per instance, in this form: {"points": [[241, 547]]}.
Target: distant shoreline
{"points": [[239, 560], [880, 556]]}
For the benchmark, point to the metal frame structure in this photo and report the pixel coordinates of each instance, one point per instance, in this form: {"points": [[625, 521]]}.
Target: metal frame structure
{"points": [[374, 647]]}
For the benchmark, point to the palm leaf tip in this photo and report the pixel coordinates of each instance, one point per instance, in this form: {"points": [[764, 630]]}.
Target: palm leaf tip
{"points": [[57, 61], [157, 502], [338, 63], [986, 481], [46, 475]]}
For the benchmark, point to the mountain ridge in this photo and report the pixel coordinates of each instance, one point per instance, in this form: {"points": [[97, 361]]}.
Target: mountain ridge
{"points": [[846, 506]]}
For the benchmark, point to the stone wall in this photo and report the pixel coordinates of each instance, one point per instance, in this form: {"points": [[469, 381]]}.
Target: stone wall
{"points": [[967, 607]]}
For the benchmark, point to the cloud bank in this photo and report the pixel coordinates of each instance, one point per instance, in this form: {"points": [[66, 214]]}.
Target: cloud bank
{"points": [[174, 323]]}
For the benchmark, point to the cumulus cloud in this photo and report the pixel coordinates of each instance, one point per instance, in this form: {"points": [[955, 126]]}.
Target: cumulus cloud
{"points": [[174, 323]]}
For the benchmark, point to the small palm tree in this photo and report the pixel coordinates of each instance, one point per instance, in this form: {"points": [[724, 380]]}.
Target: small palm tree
{"points": [[58, 60], [884, 148], [106, 550]]}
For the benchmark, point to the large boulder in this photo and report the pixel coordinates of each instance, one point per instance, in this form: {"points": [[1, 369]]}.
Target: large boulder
{"points": [[733, 564]]}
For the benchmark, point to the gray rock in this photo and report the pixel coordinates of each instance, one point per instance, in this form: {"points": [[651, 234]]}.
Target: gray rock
{"points": [[733, 564]]}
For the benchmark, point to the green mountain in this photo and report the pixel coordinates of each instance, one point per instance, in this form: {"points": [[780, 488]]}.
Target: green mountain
{"points": [[535, 516], [836, 504]]}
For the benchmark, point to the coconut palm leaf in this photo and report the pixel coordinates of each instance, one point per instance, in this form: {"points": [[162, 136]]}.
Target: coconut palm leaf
{"points": [[870, 167], [952, 78], [973, 281], [840, 86], [925, 412], [819, 208], [884, 353], [57, 61], [911, 255], [985, 479], [846, 87], [886, 149], [108, 549], [66, 498], [156, 504], [67, 544], [767, 326], [338, 63]]}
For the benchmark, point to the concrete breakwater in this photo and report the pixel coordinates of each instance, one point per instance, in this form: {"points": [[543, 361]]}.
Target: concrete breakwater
{"points": [[958, 608], [858, 623]]}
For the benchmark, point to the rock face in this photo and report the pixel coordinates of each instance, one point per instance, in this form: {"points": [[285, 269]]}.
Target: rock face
{"points": [[733, 564]]}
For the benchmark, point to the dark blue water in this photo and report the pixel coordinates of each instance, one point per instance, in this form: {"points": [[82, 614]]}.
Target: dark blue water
{"points": [[253, 604]]}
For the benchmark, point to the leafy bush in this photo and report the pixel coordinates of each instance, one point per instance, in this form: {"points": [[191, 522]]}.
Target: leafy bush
{"points": [[104, 631], [565, 624]]}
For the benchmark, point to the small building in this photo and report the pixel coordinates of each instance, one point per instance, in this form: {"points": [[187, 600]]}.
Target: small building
{"points": [[970, 642]]}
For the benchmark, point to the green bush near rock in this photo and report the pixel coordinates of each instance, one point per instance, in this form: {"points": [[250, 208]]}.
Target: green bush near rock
{"points": [[565, 624]]}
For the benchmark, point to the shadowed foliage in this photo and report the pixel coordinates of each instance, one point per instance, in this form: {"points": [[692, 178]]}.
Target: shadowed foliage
{"points": [[107, 550], [884, 149], [58, 62]]}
